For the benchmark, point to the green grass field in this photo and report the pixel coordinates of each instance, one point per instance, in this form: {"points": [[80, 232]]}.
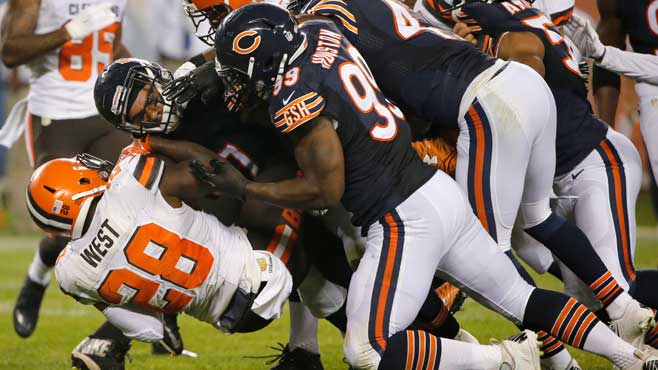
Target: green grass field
{"points": [[64, 322]]}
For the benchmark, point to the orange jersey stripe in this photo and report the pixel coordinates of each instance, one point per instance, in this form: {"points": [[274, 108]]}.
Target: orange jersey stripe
{"points": [[146, 173]]}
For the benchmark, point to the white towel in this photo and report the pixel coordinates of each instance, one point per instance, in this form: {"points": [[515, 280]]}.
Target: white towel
{"points": [[15, 124]]}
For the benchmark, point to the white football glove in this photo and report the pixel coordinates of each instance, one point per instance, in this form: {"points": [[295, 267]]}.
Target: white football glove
{"points": [[585, 37], [90, 20], [184, 69]]}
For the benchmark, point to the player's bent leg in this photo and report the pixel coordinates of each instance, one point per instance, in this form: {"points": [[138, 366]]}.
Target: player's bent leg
{"points": [[105, 349], [395, 273]]}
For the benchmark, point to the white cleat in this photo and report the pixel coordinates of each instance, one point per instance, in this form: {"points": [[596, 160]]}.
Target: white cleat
{"points": [[571, 364], [521, 352], [644, 361], [633, 326]]}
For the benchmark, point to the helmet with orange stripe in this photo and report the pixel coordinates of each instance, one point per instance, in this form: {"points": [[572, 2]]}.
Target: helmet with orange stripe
{"points": [[60, 193], [208, 14]]}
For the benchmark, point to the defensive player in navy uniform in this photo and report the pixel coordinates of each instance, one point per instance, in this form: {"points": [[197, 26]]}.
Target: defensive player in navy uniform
{"points": [[353, 146], [636, 20], [596, 164]]}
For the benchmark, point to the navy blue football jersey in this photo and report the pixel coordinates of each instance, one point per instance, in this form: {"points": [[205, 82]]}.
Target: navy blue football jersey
{"points": [[332, 79], [640, 21], [578, 130], [424, 70], [248, 147]]}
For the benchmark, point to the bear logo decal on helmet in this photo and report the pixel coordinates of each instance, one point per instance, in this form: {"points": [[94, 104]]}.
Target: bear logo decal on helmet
{"points": [[249, 49]]}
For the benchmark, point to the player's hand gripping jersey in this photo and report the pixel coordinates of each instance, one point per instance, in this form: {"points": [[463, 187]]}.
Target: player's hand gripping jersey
{"points": [[140, 252], [381, 168], [424, 70], [62, 80], [578, 131]]}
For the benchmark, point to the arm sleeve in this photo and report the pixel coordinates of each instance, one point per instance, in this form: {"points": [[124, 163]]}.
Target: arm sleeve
{"points": [[639, 67], [140, 325]]}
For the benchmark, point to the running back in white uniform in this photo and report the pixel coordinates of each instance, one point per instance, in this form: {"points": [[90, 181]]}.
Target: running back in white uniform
{"points": [[141, 252], [62, 80]]}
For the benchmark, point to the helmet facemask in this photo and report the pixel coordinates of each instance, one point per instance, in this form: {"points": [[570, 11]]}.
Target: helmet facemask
{"points": [[154, 78], [207, 20]]}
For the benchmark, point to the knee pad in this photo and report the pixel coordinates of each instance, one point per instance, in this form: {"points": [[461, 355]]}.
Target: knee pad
{"points": [[532, 214]]}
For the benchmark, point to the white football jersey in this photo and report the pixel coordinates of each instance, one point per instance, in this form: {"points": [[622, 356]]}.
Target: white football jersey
{"points": [[139, 251], [62, 80]]}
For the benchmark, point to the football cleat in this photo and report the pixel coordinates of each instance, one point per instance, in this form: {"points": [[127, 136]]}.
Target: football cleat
{"points": [[26, 310], [644, 362], [297, 359], [465, 336], [634, 324], [99, 354], [520, 352], [572, 365]]}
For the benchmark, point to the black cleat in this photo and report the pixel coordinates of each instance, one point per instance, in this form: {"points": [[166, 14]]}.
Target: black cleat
{"points": [[26, 310], [298, 359], [99, 354], [172, 338]]}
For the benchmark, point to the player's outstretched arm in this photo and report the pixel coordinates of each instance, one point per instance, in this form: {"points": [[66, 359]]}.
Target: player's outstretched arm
{"points": [[605, 83], [319, 155]]}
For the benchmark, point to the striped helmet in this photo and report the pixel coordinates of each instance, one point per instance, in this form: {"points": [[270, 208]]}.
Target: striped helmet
{"points": [[61, 192]]}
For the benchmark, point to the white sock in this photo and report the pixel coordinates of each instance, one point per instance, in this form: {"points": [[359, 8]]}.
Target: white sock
{"points": [[559, 360], [38, 271], [617, 307], [602, 341], [303, 328], [457, 355]]}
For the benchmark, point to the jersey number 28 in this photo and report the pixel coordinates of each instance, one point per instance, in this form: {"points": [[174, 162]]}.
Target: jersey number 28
{"points": [[161, 253]]}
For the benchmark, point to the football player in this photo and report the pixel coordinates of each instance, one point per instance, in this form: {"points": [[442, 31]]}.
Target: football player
{"points": [[637, 20], [595, 163], [65, 44], [353, 146]]}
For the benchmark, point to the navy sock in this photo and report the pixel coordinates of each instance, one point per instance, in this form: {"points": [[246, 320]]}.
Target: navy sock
{"points": [[109, 331], [339, 318], [411, 349], [571, 246], [643, 289]]}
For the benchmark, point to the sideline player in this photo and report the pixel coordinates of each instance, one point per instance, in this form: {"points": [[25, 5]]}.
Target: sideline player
{"points": [[637, 20], [353, 146], [65, 44]]}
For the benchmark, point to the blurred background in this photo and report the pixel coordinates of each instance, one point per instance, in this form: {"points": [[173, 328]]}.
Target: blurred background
{"points": [[158, 30]]}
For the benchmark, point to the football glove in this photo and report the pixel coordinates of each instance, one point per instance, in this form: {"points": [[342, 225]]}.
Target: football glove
{"points": [[224, 177], [585, 37], [202, 82], [90, 20]]}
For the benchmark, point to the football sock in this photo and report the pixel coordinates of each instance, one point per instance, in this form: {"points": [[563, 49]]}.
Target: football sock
{"points": [[571, 246], [573, 323], [50, 247], [654, 193], [108, 331], [419, 350], [554, 269], [339, 319], [38, 271], [643, 289], [303, 328]]}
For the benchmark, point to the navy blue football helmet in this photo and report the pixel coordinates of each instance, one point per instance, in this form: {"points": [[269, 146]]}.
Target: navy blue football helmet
{"points": [[117, 88], [254, 44]]}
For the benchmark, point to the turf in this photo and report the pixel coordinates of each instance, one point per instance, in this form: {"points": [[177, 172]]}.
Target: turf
{"points": [[64, 322]]}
